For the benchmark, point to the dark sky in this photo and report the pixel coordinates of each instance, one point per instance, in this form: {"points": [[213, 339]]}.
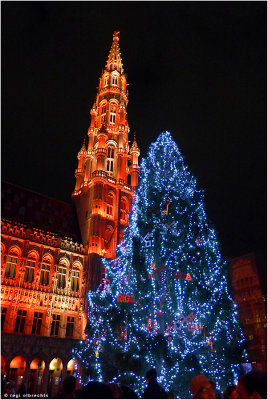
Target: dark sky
{"points": [[197, 69]]}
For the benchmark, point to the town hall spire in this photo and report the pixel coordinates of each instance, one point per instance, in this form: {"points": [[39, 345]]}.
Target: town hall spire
{"points": [[114, 61], [107, 171]]}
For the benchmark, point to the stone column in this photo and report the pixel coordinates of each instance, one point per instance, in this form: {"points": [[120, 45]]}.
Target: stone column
{"points": [[45, 378], [26, 374]]}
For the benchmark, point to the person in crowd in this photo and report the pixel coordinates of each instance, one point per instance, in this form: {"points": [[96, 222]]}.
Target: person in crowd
{"points": [[22, 389], [68, 388], [153, 390], [252, 385], [10, 389], [230, 392], [95, 390], [117, 392], [202, 388], [128, 393]]}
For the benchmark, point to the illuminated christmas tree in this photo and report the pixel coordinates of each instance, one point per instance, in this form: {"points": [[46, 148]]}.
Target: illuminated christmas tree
{"points": [[165, 300]]}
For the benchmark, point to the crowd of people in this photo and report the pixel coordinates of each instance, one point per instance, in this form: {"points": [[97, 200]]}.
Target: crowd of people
{"points": [[252, 385]]}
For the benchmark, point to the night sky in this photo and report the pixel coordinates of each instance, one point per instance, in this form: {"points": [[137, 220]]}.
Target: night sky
{"points": [[197, 69]]}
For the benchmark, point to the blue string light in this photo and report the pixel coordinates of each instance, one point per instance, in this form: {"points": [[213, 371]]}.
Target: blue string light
{"points": [[181, 328]]}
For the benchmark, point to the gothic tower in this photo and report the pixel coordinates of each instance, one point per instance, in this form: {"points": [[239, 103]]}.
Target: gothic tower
{"points": [[107, 171]]}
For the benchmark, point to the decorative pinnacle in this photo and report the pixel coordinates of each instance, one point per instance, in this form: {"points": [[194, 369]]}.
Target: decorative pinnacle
{"points": [[114, 61]]}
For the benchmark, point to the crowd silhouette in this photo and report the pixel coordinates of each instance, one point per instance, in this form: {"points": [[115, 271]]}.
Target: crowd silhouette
{"points": [[252, 385]]}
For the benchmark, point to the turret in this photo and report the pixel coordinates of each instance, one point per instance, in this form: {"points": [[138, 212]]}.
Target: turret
{"points": [[135, 152], [80, 171]]}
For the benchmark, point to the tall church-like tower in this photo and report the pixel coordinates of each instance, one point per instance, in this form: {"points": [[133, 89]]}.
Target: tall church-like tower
{"points": [[107, 171]]}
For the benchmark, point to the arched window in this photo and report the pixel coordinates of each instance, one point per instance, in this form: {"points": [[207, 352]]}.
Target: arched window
{"points": [[110, 205], [103, 112], [45, 270], [113, 108], [110, 160], [11, 265], [106, 80], [75, 281], [114, 80], [30, 266], [124, 210], [61, 275]]}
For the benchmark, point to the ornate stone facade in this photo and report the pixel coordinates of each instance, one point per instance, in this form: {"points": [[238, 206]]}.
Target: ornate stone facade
{"points": [[250, 299], [107, 171], [44, 281], [48, 263]]}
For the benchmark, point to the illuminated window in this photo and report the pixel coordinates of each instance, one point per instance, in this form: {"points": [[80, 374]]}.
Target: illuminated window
{"points": [[70, 327], [75, 281], [110, 204], [29, 271], [106, 80], [3, 316], [123, 210], [37, 322], [54, 330], [110, 159], [61, 277], [44, 277], [114, 80], [11, 267], [113, 109], [20, 321], [103, 113]]}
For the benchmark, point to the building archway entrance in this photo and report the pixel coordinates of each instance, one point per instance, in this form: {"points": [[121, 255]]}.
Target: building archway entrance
{"points": [[55, 374], [73, 368], [37, 367], [17, 369]]}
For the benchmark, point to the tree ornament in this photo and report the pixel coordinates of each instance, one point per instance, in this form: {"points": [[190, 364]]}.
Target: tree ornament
{"points": [[171, 227], [146, 239], [182, 275], [166, 210], [157, 271]]}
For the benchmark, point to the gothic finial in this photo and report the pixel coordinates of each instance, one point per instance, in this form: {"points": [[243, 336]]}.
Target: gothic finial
{"points": [[114, 61]]}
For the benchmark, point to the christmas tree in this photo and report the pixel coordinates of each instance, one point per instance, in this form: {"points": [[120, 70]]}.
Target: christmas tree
{"points": [[164, 301]]}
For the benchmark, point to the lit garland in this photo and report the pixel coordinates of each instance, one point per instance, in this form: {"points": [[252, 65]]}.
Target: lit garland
{"points": [[168, 232]]}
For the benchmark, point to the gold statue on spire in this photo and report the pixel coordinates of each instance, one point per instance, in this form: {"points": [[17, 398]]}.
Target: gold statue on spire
{"points": [[116, 35]]}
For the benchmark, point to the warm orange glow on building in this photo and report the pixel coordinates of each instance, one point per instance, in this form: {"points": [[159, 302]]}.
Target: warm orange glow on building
{"points": [[43, 287], [107, 171], [248, 295], [45, 274]]}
